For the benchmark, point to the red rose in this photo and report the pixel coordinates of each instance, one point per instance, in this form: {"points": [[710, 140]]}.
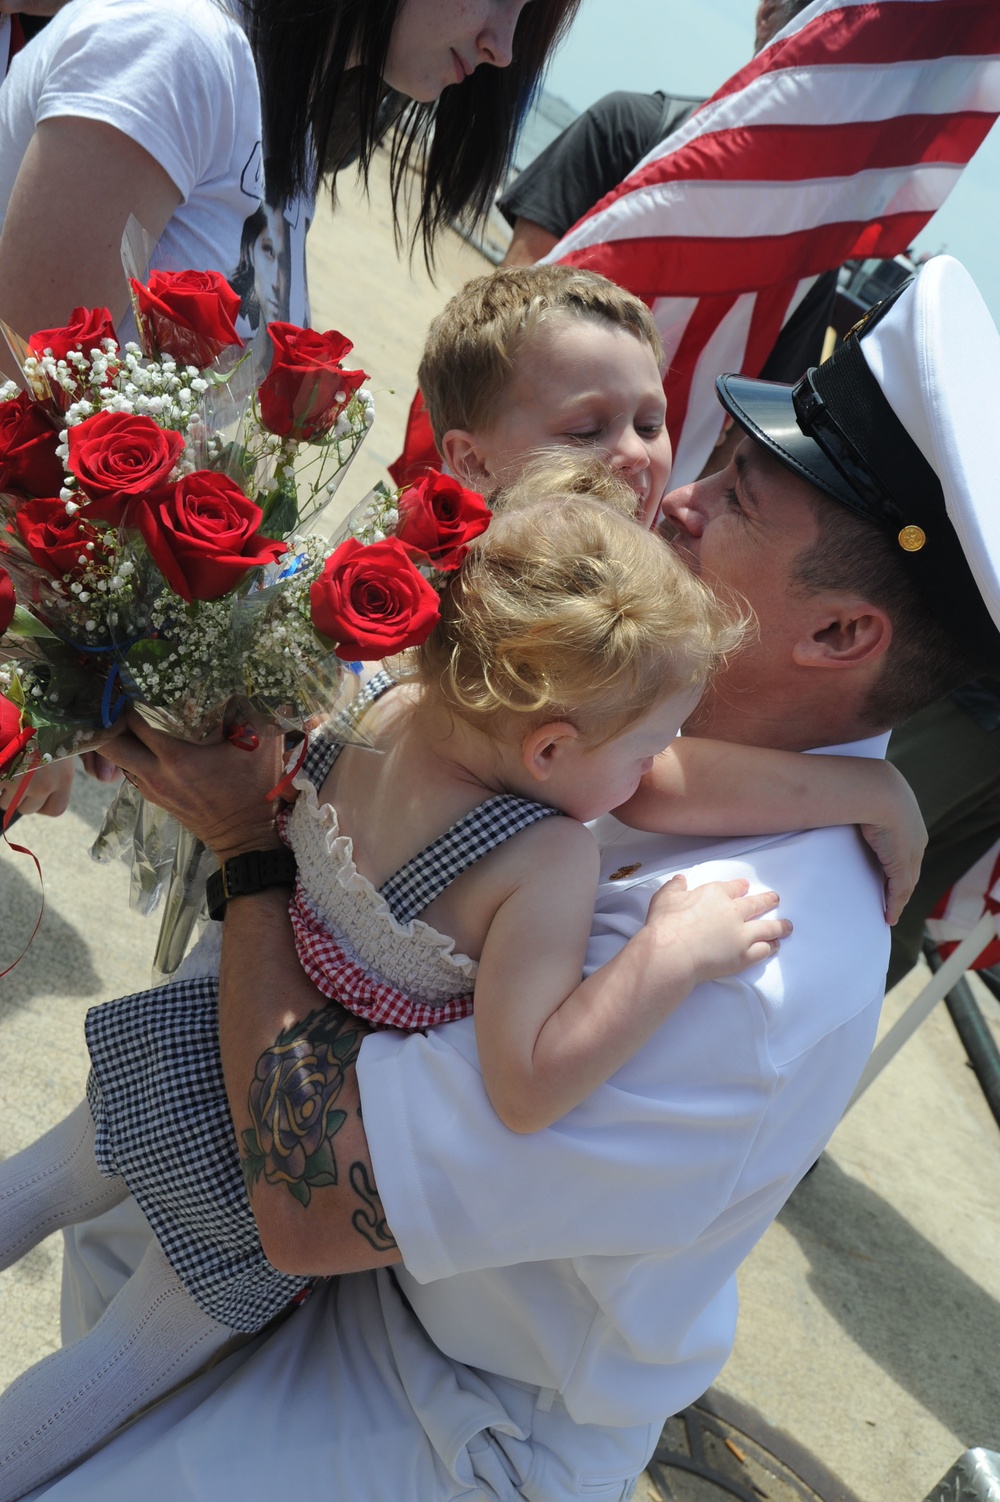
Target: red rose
{"points": [[202, 534], [306, 389], [438, 518], [116, 457], [56, 540], [188, 314], [7, 600], [28, 443], [87, 329], [13, 738], [372, 601]]}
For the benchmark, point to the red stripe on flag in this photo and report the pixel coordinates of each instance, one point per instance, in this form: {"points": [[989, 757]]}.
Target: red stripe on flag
{"points": [[702, 324], [799, 153], [697, 265], [769, 309]]}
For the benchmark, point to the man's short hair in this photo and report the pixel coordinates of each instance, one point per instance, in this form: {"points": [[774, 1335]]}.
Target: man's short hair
{"points": [[472, 346], [925, 660]]}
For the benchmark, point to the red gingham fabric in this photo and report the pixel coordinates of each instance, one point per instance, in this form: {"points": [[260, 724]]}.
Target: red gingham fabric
{"points": [[343, 979]]}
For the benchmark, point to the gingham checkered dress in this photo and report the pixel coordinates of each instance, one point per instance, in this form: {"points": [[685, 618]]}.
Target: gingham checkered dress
{"points": [[156, 1088], [366, 948]]}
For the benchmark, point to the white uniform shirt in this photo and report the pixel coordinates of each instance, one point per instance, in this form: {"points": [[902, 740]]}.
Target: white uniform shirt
{"points": [[597, 1258]]}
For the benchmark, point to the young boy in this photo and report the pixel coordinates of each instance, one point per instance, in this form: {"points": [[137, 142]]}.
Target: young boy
{"points": [[541, 357]]}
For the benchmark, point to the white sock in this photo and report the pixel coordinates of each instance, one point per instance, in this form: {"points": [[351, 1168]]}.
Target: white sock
{"points": [[151, 1337], [53, 1183]]}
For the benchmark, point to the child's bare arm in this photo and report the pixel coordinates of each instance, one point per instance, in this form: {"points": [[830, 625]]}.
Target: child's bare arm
{"points": [[713, 787], [546, 1039]]}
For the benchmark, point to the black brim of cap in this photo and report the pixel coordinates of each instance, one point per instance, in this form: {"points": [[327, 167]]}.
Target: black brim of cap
{"points": [[766, 412]]}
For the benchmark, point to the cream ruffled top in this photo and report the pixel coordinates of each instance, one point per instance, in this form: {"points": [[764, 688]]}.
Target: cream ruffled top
{"points": [[412, 956]]}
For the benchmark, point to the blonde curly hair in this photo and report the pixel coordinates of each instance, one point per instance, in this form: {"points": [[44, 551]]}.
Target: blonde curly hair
{"points": [[567, 608]]}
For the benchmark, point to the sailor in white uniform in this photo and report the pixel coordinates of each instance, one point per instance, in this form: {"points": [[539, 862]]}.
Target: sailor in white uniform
{"points": [[539, 1304]]}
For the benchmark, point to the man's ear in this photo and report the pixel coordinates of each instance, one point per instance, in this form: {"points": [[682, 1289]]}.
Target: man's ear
{"points": [[543, 747], [466, 458], [847, 633]]}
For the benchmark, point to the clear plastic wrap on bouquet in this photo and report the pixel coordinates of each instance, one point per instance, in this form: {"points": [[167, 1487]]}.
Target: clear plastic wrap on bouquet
{"points": [[136, 831]]}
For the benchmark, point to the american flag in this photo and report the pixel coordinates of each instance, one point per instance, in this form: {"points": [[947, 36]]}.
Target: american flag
{"points": [[840, 139]]}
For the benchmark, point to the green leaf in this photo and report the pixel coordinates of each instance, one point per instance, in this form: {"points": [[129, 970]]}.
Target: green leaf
{"points": [[321, 1166], [25, 624], [334, 1122], [238, 463], [251, 1141], [301, 1192], [345, 1044], [150, 651], [281, 509]]}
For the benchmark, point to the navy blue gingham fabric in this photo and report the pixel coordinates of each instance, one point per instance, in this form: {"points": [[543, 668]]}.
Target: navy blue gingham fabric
{"points": [[416, 884], [159, 1104]]}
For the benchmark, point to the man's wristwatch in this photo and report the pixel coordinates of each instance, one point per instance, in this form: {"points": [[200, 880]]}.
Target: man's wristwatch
{"points": [[241, 875]]}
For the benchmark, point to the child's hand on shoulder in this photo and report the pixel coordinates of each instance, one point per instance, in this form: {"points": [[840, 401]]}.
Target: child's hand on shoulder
{"points": [[899, 840], [721, 925]]}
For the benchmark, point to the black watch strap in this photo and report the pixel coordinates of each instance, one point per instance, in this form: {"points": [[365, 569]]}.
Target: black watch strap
{"points": [[242, 875]]}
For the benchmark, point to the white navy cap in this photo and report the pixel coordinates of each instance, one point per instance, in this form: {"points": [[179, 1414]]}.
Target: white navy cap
{"points": [[902, 425]]}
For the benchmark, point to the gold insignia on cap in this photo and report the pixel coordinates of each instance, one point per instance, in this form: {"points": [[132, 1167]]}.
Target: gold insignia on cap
{"points": [[624, 871], [911, 539]]}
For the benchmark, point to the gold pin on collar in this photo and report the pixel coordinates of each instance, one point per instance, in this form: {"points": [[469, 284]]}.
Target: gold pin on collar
{"points": [[911, 539]]}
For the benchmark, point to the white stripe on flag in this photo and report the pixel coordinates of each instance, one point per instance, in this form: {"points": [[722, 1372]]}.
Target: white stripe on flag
{"points": [[737, 210]]}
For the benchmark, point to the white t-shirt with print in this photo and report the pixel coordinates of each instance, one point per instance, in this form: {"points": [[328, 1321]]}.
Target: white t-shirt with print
{"points": [[178, 77]]}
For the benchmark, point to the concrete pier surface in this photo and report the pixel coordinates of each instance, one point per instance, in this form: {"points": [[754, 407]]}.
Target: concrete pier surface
{"points": [[870, 1325]]}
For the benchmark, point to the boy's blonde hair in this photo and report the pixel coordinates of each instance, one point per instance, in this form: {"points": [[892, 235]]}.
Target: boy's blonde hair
{"points": [[472, 346], [567, 608]]}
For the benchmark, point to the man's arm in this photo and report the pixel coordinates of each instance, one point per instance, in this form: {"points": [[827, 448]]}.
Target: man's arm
{"points": [[289, 1056]]}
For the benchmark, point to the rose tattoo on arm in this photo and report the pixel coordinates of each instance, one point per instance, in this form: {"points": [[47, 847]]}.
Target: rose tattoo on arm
{"points": [[293, 1104], [295, 1115]]}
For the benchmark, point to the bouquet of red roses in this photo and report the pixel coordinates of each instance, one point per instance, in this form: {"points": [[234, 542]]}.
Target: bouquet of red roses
{"points": [[144, 491], [152, 508], [374, 594]]}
